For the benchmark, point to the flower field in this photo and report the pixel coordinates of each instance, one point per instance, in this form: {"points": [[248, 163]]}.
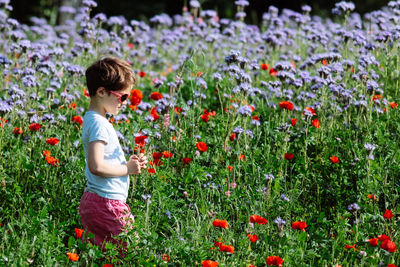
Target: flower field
{"points": [[268, 145]]}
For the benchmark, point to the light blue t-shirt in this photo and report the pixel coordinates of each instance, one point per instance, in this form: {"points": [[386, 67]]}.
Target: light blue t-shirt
{"points": [[96, 127]]}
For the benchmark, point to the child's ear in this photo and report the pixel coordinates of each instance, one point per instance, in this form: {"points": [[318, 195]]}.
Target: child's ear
{"points": [[101, 91]]}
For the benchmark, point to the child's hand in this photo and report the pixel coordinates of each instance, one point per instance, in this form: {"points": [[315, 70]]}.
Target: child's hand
{"points": [[142, 160], [133, 166]]}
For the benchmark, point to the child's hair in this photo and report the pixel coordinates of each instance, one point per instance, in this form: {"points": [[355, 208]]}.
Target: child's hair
{"points": [[111, 73]]}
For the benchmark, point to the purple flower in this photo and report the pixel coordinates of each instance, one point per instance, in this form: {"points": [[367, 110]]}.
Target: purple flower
{"points": [[241, 3], [76, 143], [250, 134], [29, 81], [354, 207], [194, 3], [245, 110], [269, 177], [279, 221], [67, 9], [369, 147], [75, 69], [306, 9], [343, 7], [285, 198], [100, 17], [89, 3], [116, 20], [162, 19]]}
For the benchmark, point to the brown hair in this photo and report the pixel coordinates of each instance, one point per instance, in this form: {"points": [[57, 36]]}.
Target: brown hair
{"points": [[112, 73]]}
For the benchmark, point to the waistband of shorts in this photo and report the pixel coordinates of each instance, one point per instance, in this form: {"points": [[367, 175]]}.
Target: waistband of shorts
{"points": [[90, 195]]}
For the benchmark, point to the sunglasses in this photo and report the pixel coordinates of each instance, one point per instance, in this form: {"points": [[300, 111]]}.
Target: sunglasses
{"points": [[122, 97]]}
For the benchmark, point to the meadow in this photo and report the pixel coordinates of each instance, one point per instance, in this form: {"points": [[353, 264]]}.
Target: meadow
{"points": [[269, 145]]}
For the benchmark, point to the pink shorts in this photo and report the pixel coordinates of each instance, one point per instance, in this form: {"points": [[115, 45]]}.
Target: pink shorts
{"points": [[104, 217]]}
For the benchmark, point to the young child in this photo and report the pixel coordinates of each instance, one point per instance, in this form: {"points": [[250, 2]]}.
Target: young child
{"points": [[103, 210]]}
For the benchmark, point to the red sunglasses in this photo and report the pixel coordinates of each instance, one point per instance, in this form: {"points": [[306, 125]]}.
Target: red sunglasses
{"points": [[122, 97]]}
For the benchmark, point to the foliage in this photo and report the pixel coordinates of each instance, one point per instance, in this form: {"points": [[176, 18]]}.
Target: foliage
{"points": [[299, 117]]}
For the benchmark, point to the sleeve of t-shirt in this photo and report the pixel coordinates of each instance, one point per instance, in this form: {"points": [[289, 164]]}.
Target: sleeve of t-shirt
{"points": [[98, 132]]}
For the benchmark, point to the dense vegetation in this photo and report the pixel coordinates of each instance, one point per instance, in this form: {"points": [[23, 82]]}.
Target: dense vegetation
{"points": [[274, 140]]}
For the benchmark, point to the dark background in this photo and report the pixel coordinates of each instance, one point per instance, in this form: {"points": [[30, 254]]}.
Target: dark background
{"points": [[144, 10]]}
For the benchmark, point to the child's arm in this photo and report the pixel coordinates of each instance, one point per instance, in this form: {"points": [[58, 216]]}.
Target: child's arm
{"points": [[99, 167]]}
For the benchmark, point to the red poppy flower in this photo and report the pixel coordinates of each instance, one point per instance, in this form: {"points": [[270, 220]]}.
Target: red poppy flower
{"points": [[391, 265], [373, 242], [213, 113], [288, 156], [310, 110], [186, 160], [201, 146], [157, 155], [86, 92], [52, 141], [141, 74], [226, 248], [293, 121], [18, 131], [204, 117], [264, 66], [156, 96], [209, 263], [286, 105], [255, 117], [140, 140], [349, 247], [383, 237], [388, 214], [389, 246], [156, 162], [73, 256], [167, 154], [232, 136], [136, 97], [165, 257], [316, 123], [273, 72], [35, 126], [393, 105], [230, 168], [107, 265], [53, 161], [151, 170], [218, 244], [154, 114], [2, 122], [78, 120], [274, 260], [334, 159], [178, 110], [372, 197], [253, 238], [220, 223], [299, 225], [242, 157], [46, 153], [258, 219], [78, 232], [376, 97]]}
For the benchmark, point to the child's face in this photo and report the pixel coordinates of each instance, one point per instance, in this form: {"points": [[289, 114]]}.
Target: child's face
{"points": [[113, 103]]}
